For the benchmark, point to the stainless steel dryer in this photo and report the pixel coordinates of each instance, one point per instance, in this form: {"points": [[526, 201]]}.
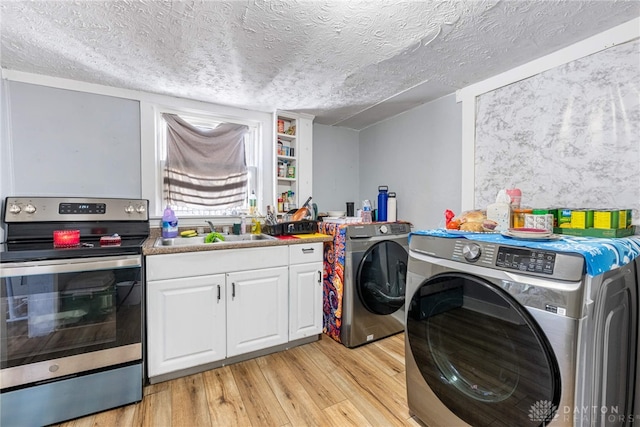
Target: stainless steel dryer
{"points": [[376, 258], [505, 335]]}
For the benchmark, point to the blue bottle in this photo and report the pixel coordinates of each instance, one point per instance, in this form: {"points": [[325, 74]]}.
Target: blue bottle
{"points": [[383, 196]]}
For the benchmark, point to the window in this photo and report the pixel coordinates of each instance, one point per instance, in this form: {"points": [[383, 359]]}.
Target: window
{"points": [[208, 164]]}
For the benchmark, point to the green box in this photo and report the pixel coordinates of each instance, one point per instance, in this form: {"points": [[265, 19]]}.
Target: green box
{"points": [[563, 216], [597, 232]]}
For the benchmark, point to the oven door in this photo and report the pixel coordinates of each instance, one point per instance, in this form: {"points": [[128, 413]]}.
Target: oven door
{"points": [[62, 317]]}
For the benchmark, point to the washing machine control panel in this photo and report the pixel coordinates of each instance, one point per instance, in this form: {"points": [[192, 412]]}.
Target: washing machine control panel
{"points": [[529, 260]]}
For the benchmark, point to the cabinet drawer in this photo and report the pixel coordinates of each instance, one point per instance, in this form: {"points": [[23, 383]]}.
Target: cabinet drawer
{"points": [[190, 264], [305, 252]]}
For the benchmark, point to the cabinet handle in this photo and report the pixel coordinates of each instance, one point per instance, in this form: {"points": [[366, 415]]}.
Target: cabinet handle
{"points": [[319, 277], [233, 290], [218, 292], [307, 250]]}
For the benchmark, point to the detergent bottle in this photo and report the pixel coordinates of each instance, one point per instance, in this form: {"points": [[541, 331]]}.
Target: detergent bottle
{"points": [[169, 223]]}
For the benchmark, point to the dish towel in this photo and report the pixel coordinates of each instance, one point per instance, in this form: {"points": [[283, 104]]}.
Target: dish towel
{"points": [[601, 255]]}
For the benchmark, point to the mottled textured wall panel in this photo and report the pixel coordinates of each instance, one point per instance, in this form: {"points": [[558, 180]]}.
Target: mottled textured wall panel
{"points": [[567, 137]]}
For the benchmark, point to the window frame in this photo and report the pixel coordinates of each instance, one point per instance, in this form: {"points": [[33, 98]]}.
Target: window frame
{"points": [[153, 132]]}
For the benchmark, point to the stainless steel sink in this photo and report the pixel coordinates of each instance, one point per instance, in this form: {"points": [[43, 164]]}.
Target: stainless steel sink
{"points": [[247, 237], [199, 240]]}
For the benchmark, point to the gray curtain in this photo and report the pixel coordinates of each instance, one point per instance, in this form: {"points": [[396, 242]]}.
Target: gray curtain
{"points": [[206, 168]]}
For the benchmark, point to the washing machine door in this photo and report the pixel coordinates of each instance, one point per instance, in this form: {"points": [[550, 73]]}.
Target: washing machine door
{"points": [[481, 352], [382, 276]]}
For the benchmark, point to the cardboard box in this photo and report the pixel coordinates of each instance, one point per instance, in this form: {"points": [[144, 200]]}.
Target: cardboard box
{"points": [[597, 232], [581, 218], [611, 218], [607, 218], [625, 218]]}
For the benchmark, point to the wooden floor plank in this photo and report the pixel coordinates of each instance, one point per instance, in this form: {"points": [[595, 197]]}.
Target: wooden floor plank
{"points": [[375, 413], [259, 399], [385, 361], [300, 408], [82, 422], [315, 380], [189, 402], [394, 346], [345, 414], [358, 364], [226, 407], [156, 409]]}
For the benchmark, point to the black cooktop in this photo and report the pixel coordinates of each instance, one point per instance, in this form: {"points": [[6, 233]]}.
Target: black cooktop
{"points": [[33, 251]]}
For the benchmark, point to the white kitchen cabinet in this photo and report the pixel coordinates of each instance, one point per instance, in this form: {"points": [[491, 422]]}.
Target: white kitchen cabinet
{"points": [[257, 315], [305, 290], [206, 306], [186, 323]]}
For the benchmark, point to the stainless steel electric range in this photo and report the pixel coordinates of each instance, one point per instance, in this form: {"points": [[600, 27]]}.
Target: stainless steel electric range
{"points": [[71, 307]]}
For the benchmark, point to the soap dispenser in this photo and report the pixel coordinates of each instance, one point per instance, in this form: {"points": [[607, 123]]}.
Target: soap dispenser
{"points": [[500, 211]]}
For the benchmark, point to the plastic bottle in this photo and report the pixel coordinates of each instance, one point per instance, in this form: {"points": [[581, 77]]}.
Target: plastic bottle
{"points": [[383, 196], [253, 203], [366, 211], [169, 223], [392, 207], [256, 227], [500, 211]]}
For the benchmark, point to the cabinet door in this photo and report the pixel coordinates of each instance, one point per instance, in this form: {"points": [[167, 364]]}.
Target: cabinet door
{"points": [[305, 300], [257, 307], [185, 323]]}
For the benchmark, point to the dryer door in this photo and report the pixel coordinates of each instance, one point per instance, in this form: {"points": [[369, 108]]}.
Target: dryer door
{"points": [[382, 277], [481, 353]]}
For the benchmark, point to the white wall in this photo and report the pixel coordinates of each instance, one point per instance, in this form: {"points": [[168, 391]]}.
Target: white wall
{"points": [[418, 155], [335, 167]]}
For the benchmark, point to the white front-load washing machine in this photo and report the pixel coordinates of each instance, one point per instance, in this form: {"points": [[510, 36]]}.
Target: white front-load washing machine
{"points": [[375, 273], [516, 336]]}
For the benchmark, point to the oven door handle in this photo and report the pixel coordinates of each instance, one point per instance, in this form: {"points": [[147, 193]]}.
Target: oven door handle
{"points": [[31, 268]]}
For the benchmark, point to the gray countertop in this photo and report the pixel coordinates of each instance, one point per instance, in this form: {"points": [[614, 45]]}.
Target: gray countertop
{"points": [[148, 247]]}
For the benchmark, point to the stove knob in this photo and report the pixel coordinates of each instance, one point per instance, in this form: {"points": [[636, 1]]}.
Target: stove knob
{"points": [[141, 209], [384, 229], [14, 209], [129, 209], [471, 252], [30, 209]]}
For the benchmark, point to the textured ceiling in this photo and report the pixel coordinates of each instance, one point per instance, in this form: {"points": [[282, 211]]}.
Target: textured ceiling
{"points": [[349, 63]]}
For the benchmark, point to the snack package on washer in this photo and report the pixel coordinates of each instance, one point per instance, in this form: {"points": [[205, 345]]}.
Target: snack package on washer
{"points": [[474, 221]]}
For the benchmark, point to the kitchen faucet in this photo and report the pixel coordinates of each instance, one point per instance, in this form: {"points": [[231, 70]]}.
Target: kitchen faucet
{"points": [[211, 226]]}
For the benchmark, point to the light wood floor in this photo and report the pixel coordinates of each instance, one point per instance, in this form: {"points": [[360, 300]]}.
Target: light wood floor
{"points": [[317, 384]]}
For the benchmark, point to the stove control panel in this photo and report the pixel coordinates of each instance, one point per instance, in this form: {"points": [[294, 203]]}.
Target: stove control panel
{"points": [[41, 209], [82, 208]]}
